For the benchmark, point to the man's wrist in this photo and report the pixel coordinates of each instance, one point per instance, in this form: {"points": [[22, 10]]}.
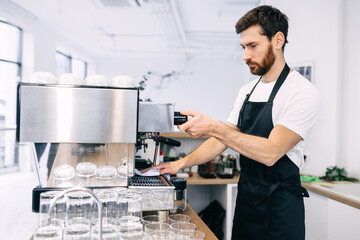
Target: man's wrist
{"points": [[216, 128], [182, 163]]}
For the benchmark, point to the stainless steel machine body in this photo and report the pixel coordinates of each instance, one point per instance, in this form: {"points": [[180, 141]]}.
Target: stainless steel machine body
{"points": [[102, 125], [156, 117], [53, 113]]}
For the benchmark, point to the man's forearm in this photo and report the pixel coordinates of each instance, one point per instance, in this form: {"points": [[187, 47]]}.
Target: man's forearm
{"points": [[264, 150], [204, 153]]}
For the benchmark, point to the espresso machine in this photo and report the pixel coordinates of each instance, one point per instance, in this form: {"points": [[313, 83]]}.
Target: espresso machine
{"points": [[96, 128]]}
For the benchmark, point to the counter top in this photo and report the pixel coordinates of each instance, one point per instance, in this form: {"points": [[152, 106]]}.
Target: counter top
{"points": [[335, 192], [332, 190]]}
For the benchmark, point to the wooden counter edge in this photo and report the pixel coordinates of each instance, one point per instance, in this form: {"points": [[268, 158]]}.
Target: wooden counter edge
{"points": [[196, 179], [332, 195], [200, 225]]}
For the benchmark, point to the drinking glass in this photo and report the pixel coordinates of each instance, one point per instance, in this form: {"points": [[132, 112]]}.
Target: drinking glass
{"points": [[130, 236], [156, 227], [129, 203], [108, 197], [129, 218], [53, 222], [85, 174], [109, 230], [43, 77], [96, 80], [63, 176], [130, 226], [77, 228], [163, 199], [48, 232], [163, 235], [193, 235], [71, 78], [181, 227], [125, 167], [79, 204], [106, 176], [122, 174], [179, 218], [152, 219], [122, 81], [59, 209]]}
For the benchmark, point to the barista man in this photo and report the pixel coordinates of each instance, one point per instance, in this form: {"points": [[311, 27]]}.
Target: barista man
{"points": [[271, 118]]}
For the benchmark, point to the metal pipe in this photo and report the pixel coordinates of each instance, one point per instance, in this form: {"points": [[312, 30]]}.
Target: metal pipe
{"points": [[106, 154], [36, 162], [178, 23]]}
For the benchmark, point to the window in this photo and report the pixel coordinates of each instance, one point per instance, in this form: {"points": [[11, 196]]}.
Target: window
{"points": [[10, 75], [63, 63], [10, 69], [67, 64], [10, 42], [79, 66]]}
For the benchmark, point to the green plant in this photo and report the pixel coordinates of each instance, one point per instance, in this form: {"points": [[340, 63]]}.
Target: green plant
{"points": [[337, 174], [142, 86]]}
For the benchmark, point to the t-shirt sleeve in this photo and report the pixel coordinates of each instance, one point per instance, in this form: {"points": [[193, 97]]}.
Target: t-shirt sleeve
{"points": [[302, 111]]}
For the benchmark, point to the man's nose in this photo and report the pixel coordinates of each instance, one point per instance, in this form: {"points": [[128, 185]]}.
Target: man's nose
{"points": [[247, 55]]}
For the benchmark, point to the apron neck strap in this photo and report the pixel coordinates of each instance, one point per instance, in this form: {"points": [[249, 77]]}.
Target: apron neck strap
{"points": [[249, 94], [279, 82]]}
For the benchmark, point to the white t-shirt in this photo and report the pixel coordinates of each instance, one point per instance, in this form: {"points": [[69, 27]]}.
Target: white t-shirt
{"points": [[295, 107]]}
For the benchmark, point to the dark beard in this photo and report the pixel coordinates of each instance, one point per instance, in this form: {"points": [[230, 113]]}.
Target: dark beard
{"points": [[264, 67]]}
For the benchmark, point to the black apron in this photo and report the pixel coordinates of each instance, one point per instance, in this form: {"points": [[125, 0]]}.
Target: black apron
{"points": [[269, 203]]}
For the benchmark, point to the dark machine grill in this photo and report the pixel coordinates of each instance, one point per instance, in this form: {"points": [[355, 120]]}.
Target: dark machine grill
{"points": [[154, 181]]}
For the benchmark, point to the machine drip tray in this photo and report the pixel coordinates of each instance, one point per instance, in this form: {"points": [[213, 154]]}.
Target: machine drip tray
{"points": [[157, 192], [146, 181]]}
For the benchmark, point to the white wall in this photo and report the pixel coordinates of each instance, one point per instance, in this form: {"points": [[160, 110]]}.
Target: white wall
{"points": [[350, 111], [321, 32], [315, 36], [208, 83], [40, 44]]}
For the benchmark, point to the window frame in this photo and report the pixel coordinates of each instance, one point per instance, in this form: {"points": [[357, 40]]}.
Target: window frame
{"points": [[20, 47], [71, 58], [15, 164], [85, 65]]}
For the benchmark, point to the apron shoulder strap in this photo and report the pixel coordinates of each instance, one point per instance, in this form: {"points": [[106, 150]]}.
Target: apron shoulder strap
{"points": [[245, 101], [252, 90], [279, 82]]}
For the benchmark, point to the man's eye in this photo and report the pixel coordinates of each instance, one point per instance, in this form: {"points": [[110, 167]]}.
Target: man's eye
{"points": [[252, 46]]}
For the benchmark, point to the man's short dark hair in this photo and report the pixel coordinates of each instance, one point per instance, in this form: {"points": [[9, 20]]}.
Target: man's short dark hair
{"points": [[270, 19]]}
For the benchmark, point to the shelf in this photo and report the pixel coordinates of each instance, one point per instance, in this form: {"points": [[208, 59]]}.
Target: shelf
{"points": [[196, 179]]}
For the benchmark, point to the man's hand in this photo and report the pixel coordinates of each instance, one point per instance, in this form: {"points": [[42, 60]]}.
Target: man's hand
{"points": [[199, 125], [167, 167]]}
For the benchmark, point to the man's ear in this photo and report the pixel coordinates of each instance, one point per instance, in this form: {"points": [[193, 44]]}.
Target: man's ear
{"points": [[278, 40]]}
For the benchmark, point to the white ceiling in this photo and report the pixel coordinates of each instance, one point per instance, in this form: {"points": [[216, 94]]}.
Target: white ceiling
{"points": [[115, 27]]}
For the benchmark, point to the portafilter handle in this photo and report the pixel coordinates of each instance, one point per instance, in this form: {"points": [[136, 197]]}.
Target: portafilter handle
{"points": [[179, 118], [169, 141]]}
